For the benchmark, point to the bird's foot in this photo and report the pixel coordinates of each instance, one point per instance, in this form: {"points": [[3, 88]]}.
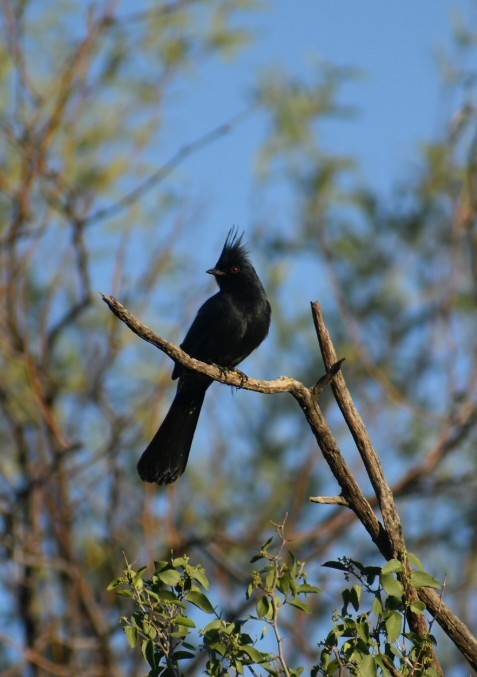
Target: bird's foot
{"points": [[228, 370], [243, 377]]}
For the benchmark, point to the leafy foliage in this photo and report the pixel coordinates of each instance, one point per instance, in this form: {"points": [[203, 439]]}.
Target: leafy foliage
{"points": [[369, 635], [162, 624], [375, 641]]}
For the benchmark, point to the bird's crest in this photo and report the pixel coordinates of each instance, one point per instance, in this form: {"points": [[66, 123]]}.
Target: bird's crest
{"points": [[233, 250]]}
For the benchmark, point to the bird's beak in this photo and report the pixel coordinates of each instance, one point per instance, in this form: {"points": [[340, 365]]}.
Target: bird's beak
{"points": [[215, 271]]}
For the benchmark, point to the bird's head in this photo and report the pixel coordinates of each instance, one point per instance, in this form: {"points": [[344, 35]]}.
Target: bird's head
{"points": [[234, 270]]}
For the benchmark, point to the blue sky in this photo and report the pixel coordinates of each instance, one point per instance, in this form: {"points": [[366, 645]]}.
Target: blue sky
{"points": [[399, 99]]}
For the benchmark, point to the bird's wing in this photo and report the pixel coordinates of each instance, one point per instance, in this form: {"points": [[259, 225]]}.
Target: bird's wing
{"points": [[215, 333]]}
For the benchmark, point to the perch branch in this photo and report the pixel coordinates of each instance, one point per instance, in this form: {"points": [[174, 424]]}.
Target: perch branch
{"points": [[283, 384]]}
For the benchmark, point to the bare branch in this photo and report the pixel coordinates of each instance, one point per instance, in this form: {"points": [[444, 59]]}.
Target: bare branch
{"points": [[163, 171], [329, 500], [283, 384], [449, 622], [327, 378], [361, 437]]}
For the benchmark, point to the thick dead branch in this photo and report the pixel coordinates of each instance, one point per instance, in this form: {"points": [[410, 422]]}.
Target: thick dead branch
{"points": [[449, 622], [361, 438]]}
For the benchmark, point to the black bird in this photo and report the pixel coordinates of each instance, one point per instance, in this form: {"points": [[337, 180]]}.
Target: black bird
{"points": [[227, 328]]}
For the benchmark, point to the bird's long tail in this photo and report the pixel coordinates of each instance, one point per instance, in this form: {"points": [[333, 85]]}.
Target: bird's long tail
{"points": [[165, 458]]}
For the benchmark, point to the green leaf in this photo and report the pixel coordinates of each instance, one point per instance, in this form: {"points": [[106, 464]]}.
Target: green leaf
{"points": [[148, 652], [169, 577], [396, 651], [131, 634], [421, 579], [393, 626], [213, 626], [201, 578], [238, 666], [124, 593], [392, 567], [219, 647], [200, 601], [417, 606], [263, 607], [345, 594], [270, 579], [377, 607], [285, 584], [254, 654], [335, 565], [169, 597], [297, 672], [267, 543], [152, 595], [181, 632], [300, 605], [138, 582], [362, 629], [149, 630], [255, 558], [415, 561], [391, 585], [366, 666], [184, 621], [307, 588], [179, 562], [160, 565], [355, 596]]}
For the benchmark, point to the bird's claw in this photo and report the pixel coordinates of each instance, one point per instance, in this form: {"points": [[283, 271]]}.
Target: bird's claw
{"points": [[243, 377]]}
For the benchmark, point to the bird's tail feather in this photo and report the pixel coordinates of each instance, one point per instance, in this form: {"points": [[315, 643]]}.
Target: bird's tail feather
{"points": [[165, 458]]}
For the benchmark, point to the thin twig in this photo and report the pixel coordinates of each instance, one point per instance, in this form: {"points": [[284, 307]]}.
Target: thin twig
{"points": [[165, 169], [329, 500]]}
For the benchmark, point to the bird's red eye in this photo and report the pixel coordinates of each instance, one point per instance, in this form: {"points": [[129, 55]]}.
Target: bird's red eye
{"points": [[234, 269]]}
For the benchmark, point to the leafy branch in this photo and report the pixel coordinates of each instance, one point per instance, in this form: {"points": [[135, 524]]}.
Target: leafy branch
{"points": [[161, 623], [369, 635]]}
